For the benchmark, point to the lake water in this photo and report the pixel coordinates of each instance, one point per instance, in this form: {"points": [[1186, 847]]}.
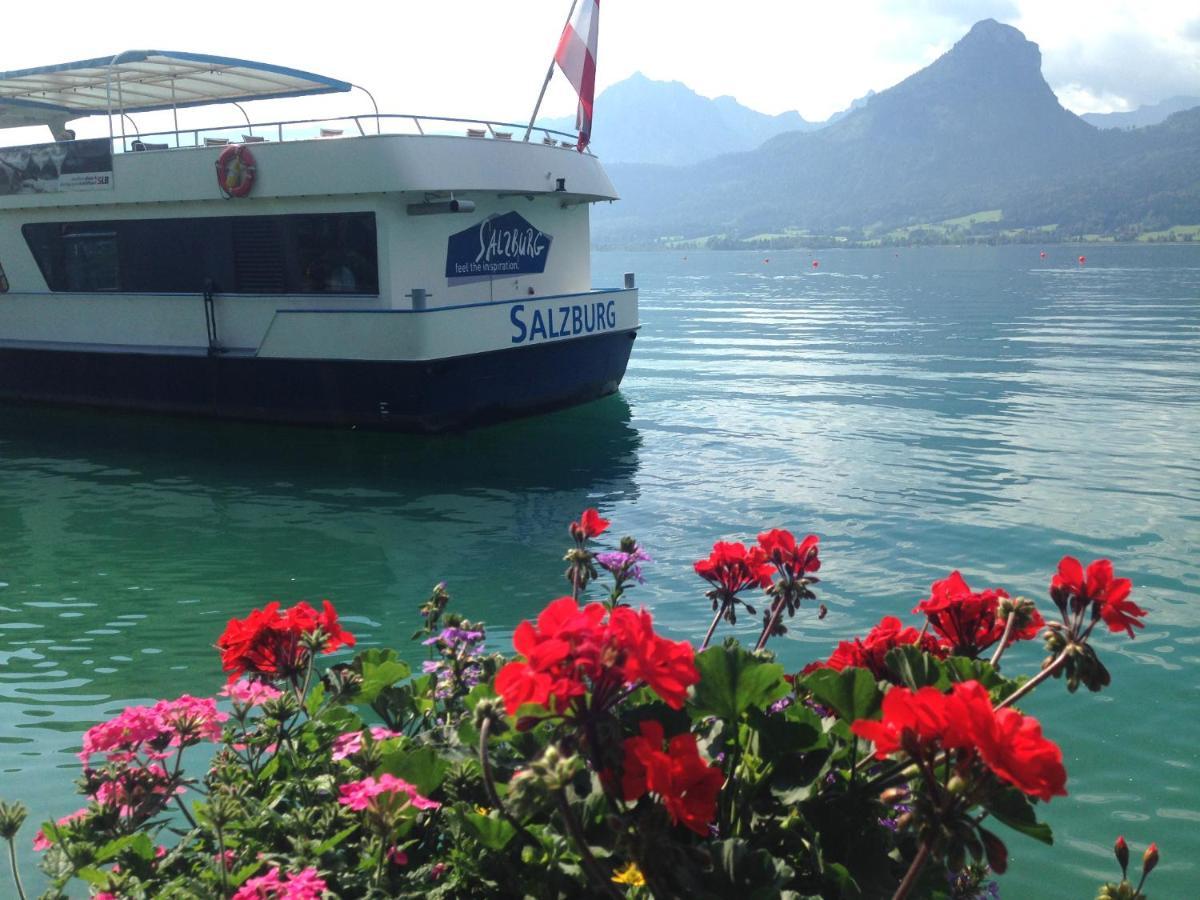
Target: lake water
{"points": [[921, 410]]}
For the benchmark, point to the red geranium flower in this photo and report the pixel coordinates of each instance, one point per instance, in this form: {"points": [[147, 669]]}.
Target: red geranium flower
{"points": [[590, 525], [1008, 744], [916, 722], [797, 560], [686, 784], [870, 652], [731, 568], [968, 621], [1071, 586], [573, 651], [270, 643], [667, 667]]}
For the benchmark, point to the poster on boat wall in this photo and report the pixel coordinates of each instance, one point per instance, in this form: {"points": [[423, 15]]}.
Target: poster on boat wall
{"points": [[52, 168], [499, 246]]}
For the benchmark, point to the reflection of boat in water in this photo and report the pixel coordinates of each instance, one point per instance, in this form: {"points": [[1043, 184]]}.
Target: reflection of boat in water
{"points": [[373, 274], [593, 449]]}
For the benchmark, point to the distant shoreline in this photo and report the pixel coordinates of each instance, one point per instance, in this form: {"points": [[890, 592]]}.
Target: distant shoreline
{"points": [[723, 245]]}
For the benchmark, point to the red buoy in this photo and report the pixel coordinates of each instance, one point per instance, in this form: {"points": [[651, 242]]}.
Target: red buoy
{"points": [[1082, 260], [767, 260], [1043, 254], [816, 263]]}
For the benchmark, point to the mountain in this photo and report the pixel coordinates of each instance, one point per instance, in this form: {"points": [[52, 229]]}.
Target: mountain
{"points": [[640, 120], [1143, 115], [857, 103], [978, 129]]}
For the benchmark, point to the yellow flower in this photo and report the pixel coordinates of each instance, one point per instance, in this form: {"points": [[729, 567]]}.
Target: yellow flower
{"points": [[631, 874], [483, 810]]}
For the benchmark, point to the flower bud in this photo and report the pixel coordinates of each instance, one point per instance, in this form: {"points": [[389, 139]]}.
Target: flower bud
{"points": [[12, 817], [997, 853], [957, 785], [1022, 608], [490, 709], [1149, 860], [1121, 851], [894, 795]]}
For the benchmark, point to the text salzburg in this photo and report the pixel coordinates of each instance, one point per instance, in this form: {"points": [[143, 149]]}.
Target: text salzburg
{"points": [[561, 321]]}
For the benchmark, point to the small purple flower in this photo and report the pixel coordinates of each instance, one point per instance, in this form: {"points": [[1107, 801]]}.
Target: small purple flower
{"points": [[624, 565], [780, 705]]}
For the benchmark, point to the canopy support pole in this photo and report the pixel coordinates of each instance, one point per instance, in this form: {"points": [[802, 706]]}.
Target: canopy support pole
{"points": [[549, 75]]}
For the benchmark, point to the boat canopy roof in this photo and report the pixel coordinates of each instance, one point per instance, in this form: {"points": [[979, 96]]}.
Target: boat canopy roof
{"points": [[144, 80]]}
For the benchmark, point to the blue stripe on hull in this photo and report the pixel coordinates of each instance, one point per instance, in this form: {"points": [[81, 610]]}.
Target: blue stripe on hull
{"points": [[434, 395]]}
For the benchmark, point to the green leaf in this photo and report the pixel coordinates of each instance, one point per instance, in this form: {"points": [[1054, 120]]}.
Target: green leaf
{"points": [[92, 875], [733, 681], [960, 668], [1016, 811], [421, 767], [327, 845], [917, 669], [380, 669], [776, 736], [852, 693], [315, 698], [493, 833], [138, 843]]}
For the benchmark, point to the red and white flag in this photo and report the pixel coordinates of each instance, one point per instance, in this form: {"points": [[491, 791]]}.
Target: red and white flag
{"points": [[576, 56]]}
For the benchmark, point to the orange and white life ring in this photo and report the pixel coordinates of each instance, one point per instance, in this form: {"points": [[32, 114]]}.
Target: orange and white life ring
{"points": [[236, 170]]}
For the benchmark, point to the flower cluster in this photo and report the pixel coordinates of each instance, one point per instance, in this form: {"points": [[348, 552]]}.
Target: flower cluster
{"points": [[970, 621], [149, 731], [458, 667], [250, 692], [623, 565], [924, 722], [350, 743], [683, 781], [385, 793], [1075, 590], [275, 644], [731, 569], [794, 561], [573, 650], [871, 651], [304, 885]]}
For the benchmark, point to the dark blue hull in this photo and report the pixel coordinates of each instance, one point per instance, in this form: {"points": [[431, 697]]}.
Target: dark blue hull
{"points": [[436, 395]]}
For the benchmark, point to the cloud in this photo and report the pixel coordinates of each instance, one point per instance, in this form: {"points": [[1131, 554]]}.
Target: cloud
{"points": [[958, 13], [1191, 30], [1135, 68]]}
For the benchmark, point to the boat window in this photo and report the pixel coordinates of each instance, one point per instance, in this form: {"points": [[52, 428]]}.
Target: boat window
{"points": [[332, 253], [90, 261]]}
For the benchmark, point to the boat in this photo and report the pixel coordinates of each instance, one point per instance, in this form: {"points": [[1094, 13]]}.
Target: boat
{"points": [[388, 271]]}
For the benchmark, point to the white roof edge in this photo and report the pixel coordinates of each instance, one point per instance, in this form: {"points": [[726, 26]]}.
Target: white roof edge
{"points": [[158, 79]]}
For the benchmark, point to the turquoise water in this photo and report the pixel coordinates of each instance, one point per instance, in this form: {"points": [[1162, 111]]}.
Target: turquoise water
{"points": [[921, 410]]}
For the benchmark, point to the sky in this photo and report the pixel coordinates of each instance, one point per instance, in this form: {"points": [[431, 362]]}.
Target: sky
{"points": [[484, 58]]}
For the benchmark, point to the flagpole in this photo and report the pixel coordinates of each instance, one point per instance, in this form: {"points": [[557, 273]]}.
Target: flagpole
{"points": [[549, 75]]}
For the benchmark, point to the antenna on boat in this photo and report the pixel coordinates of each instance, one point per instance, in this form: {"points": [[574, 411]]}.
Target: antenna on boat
{"points": [[549, 75]]}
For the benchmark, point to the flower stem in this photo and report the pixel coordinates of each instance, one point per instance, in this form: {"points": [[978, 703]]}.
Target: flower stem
{"points": [[489, 784], [183, 809], [1008, 627], [585, 854], [713, 626], [12, 861], [1036, 679], [914, 872], [772, 621]]}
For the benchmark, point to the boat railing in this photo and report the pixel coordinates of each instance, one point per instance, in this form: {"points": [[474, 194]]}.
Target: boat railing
{"points": [[336, 127]]}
